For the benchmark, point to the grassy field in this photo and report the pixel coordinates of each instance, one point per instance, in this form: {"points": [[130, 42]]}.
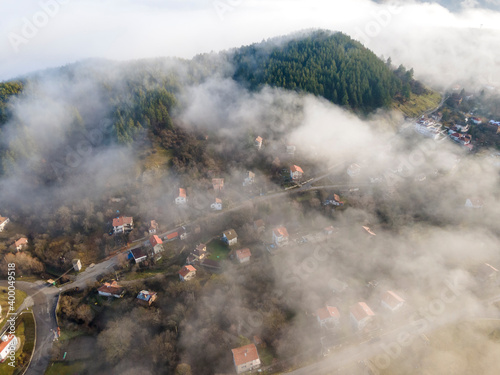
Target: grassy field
{"points": [[20, 296], [218, 250], [65, 368], [419, 104], [25, 331]]}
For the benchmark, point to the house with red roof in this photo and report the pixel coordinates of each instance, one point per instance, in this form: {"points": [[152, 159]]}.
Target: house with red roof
{"points": [[156, 244], [123, 224], [392, 301], [258, 142], [111, 290], [280, 236], [246, 358], [3, 222], [243, 255], [296, 172], [328, 315], [181, 198], [21, 243], [361, 315], [8, 344], [218, 184], [187, 273], [153, 227]]}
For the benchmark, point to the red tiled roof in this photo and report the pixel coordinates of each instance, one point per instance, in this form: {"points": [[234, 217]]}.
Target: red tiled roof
{"points": [[4, 344], [186, 270], [172, 235], [218, 200], [182, 193], [391, 299], [327, 312], [155, 240], [112, 288], [258, 139], [2, 219], [243, 253], [22, 241], [280, 231], [361, 310], [296, 168], [122, 220], [245, 354]]}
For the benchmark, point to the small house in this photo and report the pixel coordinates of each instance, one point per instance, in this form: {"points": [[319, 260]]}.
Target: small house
{"points": [[246, 358], [328, 315], [333, 200], [138, 255], [156, 244], [243, 255], [3, 222], [296, 172], [249, 179], [258, 142], [353, 170], [218, 184], [217, 205], [153, 227], [123, 224], [146, 298], [111, 290], [280, 236], [230, 237], [361, 315], [200, 252], [187, 273], [392, 301], [77, 265], [21, 243], [171, 236], [181, 198]]}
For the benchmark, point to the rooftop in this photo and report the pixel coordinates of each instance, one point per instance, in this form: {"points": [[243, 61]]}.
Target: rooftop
{"points": [[245, 354], [230, 234], [280, 231], [361, 310], [243, 253], [186, 270], [392, 299], [327, 312], [122, 220]]}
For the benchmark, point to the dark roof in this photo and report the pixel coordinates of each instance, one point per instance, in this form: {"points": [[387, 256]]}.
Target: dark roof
{"points": [[138, 253]]}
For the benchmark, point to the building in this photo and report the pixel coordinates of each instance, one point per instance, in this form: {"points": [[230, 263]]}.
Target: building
{"points": [[249, 179], [328, 315], [258, 142], [156, 244], [333, 200], [77, 265], [21, 243], [259, 226], [123, 224], [146, 298], [392, 301], [230, 237], [246, 358], [353, 170], [217, 205], [138, 255], [218, 184], [296, 172], [211, 264], [3, 222], [181, 198], [187, 273], [171, 236], [280, 236], [200, 252], [473, 203], [243, 255], [111, 290], [153, 227], [361, 315], [428, 128], [9, 343]]}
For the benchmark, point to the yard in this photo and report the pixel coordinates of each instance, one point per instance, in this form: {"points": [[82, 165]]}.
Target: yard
{"points": [[218, 250], [20, 296], [25, 332]]}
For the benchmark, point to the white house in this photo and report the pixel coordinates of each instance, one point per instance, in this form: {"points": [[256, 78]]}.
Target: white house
{"points": [[249, 179], [77, 265], [3, 222], [187, 273], [280, 236], [328, 315], [156, 243], [246, 358], [181, 198], [392, 301], [123, 224], [111, 290], [230, 237], [243, 255], [9, 343], [217, 205], [361, 315], [473, 203], [296, 172]]}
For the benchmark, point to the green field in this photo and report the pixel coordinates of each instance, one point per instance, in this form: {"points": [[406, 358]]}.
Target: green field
{"points": [[65, 368], [218, 250], [418, 104], [20, 296]]}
